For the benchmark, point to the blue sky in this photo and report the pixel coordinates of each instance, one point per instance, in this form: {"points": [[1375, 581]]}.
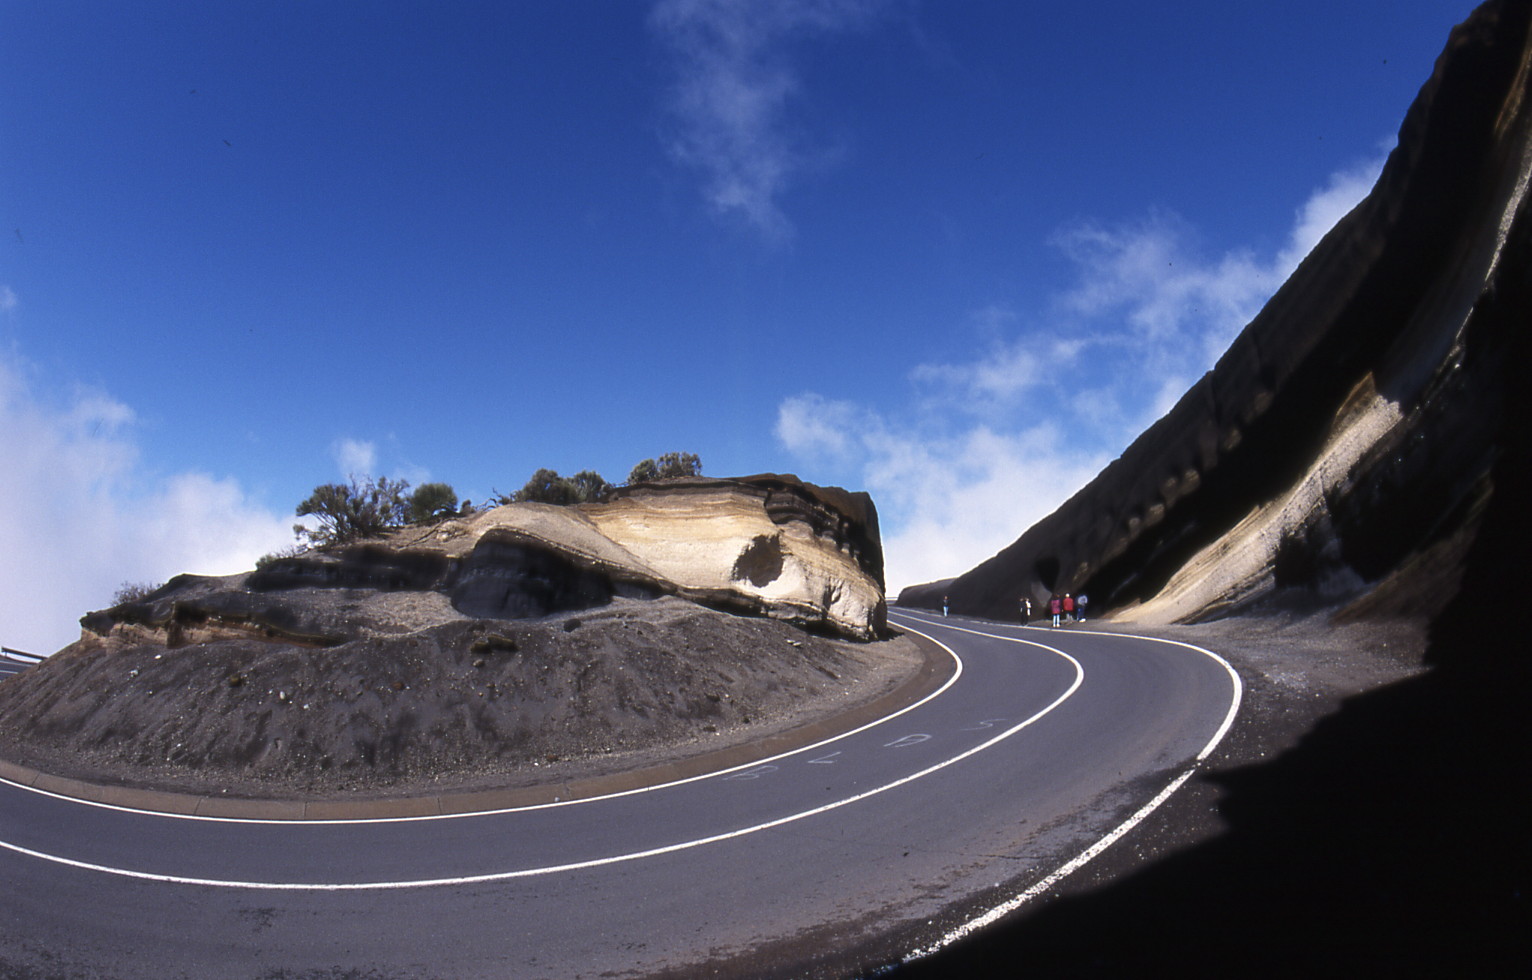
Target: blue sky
{"points": [[955, 254]]}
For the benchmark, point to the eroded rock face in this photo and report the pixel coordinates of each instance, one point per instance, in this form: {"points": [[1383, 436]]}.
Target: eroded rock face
{"points": [[1343, 445], [436, 656], [767, 545]]}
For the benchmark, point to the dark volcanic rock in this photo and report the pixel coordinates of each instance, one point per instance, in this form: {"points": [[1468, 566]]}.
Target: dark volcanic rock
{"points": [[1345, 441], [505, 578], [458, 703]]}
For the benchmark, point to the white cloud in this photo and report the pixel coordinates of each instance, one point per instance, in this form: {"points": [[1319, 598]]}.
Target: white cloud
{"points": [[945, 504], [813, 427], [997, 442], [8, 300], [83, 513], [355, 458], [1324, 208], [733, 85], [1145, 285]]}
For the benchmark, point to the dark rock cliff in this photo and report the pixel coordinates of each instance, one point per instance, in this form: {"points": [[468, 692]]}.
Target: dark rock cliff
{"points": [[1342, 448]]}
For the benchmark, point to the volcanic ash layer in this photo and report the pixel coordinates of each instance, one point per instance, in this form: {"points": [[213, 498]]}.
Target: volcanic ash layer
{"points": [[515, 646]]}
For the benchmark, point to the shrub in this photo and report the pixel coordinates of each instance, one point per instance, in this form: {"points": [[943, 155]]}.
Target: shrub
{"points": [[352, 511], [665, 467], [291, 551], [132, 592], [589, 487], [432, 502], [546, 487]]}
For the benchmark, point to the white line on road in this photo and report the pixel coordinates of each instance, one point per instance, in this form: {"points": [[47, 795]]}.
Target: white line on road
{"points": [[597, 862], [209, 818], [1090, 853]]}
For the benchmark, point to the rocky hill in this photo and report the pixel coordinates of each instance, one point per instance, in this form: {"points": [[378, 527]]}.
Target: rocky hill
{"points": [[679, 616], [767, 545], [1349, 486], [1341, 451]]}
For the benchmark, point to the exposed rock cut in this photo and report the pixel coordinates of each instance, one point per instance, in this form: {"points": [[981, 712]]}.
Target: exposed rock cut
{"points": [[766, 545], [769, 544], [452, 654], [1342, 448]]}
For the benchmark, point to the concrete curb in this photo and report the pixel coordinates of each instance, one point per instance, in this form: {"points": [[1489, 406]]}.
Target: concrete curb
{"points": [[937, 667]]}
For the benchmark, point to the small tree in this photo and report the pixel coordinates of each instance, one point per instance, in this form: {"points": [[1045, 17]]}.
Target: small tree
{"points": [[546, 487], [352, 511], [432, 502], [589, 487], [667, 466], [643, 471]]}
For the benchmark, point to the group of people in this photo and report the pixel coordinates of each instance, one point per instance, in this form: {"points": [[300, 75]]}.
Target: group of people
{"points": [[1068, 606], [1063, 606], [1060, 607]]}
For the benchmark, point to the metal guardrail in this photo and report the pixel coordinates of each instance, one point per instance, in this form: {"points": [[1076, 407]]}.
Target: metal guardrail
{"points": [[21, 656]]}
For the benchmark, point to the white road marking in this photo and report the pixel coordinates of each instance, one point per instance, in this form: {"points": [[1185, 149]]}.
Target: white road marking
{"points": [[597, 862], [755, 773], [958, 672], [1090, 853]]}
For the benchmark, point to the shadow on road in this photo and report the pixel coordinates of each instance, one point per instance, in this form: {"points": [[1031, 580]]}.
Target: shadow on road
{"points": [[1393, 840]]}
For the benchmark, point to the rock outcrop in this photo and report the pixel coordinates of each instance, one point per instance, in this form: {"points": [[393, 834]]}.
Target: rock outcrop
{"points": [[766, 545], [481, 651], [1343, 447]]}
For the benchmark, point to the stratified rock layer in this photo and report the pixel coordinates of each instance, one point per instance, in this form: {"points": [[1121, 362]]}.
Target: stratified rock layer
{"points": [[1343, 446], [481, 650], [765, 545]]}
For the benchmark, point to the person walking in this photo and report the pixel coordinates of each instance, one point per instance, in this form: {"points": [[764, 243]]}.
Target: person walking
{"points": [[1080, 606], [1026, 610], [1055, 606], [944, 607]]}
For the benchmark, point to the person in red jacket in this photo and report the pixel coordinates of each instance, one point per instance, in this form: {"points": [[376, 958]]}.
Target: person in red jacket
{"points": [[1069, 606], [1055, 606]]}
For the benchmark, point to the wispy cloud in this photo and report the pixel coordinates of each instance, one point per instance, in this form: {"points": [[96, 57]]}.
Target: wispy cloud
{"points": [[355, 458], [1327, 206], [994, 443], [946, 501], [734, 81], [85, 514]]}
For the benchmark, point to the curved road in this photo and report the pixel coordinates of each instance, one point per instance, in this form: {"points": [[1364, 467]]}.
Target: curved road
{"points": [[875, 845]]}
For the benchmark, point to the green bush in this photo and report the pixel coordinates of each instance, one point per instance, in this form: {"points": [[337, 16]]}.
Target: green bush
{"points": [[432, 502], [665, 467], [589, 487], [546, 487], [351, 511]]}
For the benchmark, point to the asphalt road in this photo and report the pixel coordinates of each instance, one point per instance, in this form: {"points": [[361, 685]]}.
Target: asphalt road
{"points": [[828, 861]]}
